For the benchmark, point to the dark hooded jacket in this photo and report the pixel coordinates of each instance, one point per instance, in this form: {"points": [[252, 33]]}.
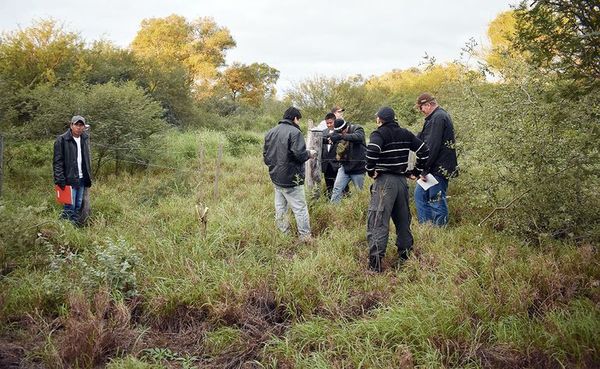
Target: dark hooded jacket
{"points": [[65, 160], [284, 153]]}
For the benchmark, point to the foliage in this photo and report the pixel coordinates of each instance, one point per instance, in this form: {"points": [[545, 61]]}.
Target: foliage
{"points": [[525, 130], [42, 53], [250, 83], [123, 120], [112, 265], [316, 96], [199, 46], [240, 142], [109, 63], [501, 32], [561, 36]]}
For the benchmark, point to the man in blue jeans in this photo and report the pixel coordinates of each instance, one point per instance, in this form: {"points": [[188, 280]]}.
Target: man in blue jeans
{"points": [[438, 135], [72, 166], [351, 154]]}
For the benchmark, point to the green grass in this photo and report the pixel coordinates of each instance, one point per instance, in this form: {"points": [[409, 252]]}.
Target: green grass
{"points": [[469, 297]]}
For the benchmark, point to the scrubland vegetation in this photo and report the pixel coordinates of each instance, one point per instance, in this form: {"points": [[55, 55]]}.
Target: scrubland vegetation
{"points": [[512, 282]]}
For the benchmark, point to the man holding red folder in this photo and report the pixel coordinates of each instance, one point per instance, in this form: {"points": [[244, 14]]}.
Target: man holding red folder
{"points": [[72, 166]]}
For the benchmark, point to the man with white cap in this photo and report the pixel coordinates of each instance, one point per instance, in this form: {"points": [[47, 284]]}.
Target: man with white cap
{"points": [[72, 165]]}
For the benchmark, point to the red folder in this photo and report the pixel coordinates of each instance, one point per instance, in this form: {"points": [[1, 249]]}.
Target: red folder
{"points": [[63, 196]]}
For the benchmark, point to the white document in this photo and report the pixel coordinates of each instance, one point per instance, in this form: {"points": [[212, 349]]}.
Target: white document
{"points": [[431, 181]]}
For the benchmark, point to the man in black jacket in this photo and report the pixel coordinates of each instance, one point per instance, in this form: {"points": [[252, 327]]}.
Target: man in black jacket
{"points": [[72, 165], [387, 163], [329, 164], [284, 153], [351, 153], [438, 135]]}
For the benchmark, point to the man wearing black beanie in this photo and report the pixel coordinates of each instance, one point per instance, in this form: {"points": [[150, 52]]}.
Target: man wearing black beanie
{"points": [[387, 163]]}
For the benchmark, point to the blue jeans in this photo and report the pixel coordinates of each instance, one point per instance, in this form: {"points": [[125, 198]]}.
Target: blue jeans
{"points": [[431, 204], [291, 197], [341, 181], [71, 211]]}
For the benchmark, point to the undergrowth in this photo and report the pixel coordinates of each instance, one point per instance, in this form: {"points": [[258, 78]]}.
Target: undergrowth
{"points": [[145, 286]]}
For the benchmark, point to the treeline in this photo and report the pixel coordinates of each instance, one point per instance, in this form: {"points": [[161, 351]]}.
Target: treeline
{"points": [[48, 73], [526, 109]]}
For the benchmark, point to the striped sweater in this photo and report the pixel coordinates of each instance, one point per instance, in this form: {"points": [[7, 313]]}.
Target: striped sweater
{"points": [[388, 149]]}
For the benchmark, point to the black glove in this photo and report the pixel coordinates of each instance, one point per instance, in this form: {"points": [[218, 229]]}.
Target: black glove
{"points": [[61, 185], [335, 137]]}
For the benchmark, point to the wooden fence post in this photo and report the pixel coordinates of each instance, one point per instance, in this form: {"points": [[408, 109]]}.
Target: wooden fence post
{"points": [[312, 170]]}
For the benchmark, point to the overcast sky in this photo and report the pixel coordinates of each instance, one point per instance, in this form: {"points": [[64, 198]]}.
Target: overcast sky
{"points": [[302, 39]]}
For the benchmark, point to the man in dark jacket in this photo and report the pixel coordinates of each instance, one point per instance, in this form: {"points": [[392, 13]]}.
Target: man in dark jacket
{"points": [[72, 165], [438, 135], [351, 153], [329, 163], [284, 153], [387, 164]]}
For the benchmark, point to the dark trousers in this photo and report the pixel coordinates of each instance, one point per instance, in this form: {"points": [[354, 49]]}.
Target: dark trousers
{"points": [[389, 199]]}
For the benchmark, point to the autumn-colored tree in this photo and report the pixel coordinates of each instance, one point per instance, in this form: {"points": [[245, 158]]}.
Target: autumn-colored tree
{"points": [[199, 46], [250, 83], [501, 33]]}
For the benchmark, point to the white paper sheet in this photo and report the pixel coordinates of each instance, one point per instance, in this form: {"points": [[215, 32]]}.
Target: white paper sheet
{"points": [[431, 181]]}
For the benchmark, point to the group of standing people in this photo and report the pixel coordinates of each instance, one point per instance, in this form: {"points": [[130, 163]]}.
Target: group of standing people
{"points": [[385, 159], [345, 158]]}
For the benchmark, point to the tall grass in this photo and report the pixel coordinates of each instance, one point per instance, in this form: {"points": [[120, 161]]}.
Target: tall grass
{"points": [[144, 275]]}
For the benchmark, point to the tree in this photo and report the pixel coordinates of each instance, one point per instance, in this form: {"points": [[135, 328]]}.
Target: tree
{"points": [[501, 32], [42, 53], [199, 46], [250, 83], [123, 119], [108, 62], [561, 36]]}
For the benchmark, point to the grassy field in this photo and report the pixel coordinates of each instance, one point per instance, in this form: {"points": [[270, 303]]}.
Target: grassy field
{"points": [[142, 286]]}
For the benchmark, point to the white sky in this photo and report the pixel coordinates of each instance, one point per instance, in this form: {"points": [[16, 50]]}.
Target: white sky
{"points": [[302, 39]]}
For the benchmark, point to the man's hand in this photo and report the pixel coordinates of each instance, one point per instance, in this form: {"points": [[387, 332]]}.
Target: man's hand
{"points": [[312, 154], [423, 178], [335, 137], [61, 185], [413, 177]]}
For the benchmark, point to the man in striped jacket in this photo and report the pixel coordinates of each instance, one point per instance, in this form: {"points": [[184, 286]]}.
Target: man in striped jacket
{"points": [[387, 163]]}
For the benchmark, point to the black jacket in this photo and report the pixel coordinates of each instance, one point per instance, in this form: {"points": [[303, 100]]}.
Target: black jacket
{"points": [[284, 153], [65, 160], [389, 147], [353, 159], [438, 135], [328, 160]]}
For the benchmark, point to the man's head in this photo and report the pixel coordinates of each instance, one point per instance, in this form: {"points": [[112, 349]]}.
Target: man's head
{"points": [[338, 112], [77, 125], [340, 125], [426, 103], [329, 119], [385, 115], [292, 114]]}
